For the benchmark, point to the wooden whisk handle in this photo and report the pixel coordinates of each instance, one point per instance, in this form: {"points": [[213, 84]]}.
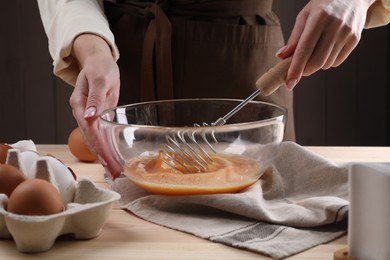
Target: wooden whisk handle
{"points": [[270, 81]]}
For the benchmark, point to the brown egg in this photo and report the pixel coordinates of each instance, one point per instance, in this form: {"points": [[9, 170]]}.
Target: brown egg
{"points": [[35, 197], [78, 147], [3, 152], [10, 177]]}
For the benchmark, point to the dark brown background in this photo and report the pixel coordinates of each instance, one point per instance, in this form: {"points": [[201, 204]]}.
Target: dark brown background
{"points": [[344, 106]]}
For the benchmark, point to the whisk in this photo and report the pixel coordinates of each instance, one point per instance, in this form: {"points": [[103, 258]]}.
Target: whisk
{"points": [[184, 153]]}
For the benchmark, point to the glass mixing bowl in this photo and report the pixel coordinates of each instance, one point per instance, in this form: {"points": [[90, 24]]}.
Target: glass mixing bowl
{"points": [[163, 152]]}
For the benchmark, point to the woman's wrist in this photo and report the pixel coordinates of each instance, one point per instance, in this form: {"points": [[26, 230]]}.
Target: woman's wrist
{"points": [[87, 45]]}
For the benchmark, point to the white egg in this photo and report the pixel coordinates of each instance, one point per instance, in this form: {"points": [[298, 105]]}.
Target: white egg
{"points": [[64, 179]]}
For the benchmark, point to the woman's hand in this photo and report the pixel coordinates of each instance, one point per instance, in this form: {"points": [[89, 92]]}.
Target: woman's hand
{"points": [[96, 89], [324, 34]]}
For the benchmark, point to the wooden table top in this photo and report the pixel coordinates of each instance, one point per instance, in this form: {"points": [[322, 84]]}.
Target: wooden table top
{"points": [[125, 236]]}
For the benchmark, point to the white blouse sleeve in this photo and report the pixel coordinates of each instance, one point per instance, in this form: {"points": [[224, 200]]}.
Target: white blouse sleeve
{"points": [[63, 21], [378, 14]]}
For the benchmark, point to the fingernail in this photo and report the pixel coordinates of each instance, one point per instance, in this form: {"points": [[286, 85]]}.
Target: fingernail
{"points": [[281, 50], [291, 84], [90, 112]]}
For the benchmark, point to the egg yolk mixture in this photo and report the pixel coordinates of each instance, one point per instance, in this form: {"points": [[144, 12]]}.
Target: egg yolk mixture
{"points": [[225, 174]]}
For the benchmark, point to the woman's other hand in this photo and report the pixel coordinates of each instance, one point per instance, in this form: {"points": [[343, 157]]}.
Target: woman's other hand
{"points": [[324, 34]]}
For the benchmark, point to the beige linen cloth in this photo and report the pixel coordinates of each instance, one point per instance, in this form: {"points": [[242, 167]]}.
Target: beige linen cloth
{"points": [[300, 203]]}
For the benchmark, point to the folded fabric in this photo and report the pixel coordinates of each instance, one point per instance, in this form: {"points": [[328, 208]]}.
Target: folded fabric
{"points": [[300, 202]]}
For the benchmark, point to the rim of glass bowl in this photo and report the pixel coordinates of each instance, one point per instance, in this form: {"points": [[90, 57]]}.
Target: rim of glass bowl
{"points": [[265, 121]]}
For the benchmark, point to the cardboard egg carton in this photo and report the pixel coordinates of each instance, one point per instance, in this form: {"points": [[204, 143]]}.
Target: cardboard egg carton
{"points": [[83, 217]]}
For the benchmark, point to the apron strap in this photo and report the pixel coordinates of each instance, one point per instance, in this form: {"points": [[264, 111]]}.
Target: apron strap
{"points": [[157, 43]]}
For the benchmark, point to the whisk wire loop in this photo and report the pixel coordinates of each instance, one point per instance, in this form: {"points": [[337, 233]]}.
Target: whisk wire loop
{"points": [[171, 161], [201, 158], [183, 151]]}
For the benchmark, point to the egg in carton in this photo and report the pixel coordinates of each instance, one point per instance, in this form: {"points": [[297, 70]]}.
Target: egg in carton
{"points": [[86, 206]]}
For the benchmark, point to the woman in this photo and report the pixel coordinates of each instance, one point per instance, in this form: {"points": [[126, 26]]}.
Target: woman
{"points": [[188, 49]]}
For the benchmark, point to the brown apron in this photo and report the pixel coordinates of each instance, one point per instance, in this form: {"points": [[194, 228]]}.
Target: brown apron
{"points": [[196, 48]]}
